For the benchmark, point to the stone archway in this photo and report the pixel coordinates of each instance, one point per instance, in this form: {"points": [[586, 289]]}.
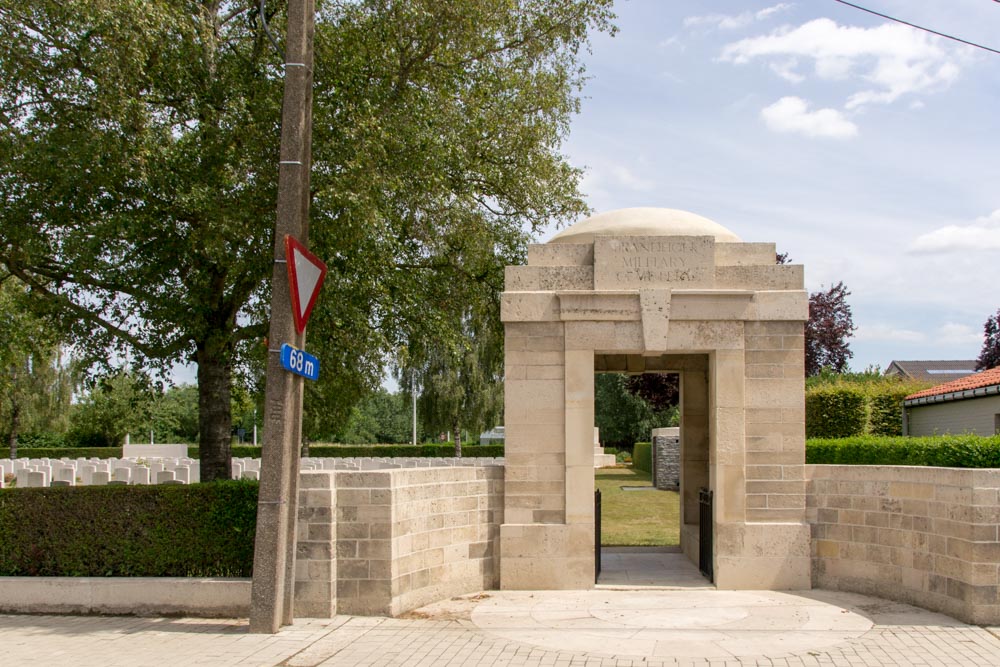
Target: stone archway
{"points": [[656, 289]]}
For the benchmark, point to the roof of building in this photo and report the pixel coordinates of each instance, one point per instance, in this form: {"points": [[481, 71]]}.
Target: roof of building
{"points": [[932, 371], [644, 222], [980, 384]]}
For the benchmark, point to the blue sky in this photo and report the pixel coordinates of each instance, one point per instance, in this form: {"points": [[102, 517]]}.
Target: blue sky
{"points": [[867, 150]]}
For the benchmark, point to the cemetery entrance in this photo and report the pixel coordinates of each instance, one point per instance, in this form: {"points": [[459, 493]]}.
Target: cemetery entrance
{"points": [[653, 290]]}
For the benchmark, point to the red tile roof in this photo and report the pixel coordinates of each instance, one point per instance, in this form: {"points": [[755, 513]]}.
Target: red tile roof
{"points": [[982, 379]]}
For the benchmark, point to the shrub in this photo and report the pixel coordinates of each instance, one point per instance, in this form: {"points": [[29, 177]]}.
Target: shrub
{"points": [[197, 530], [952, 451], [835, 412], [642, 456], [436, 450], [69, 452]]}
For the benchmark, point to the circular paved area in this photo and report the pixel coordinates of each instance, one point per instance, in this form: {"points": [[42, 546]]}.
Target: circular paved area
{"points": [[600, 628], [678, 624]]}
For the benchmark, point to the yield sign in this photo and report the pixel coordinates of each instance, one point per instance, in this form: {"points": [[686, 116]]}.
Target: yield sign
{"points": [[305, 276]]}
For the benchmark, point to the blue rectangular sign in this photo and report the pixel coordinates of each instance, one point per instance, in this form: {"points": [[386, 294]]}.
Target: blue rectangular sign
{"points": [[299, 362]]}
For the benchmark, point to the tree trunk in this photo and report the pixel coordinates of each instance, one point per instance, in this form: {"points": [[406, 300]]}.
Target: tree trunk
{"points": [[15, 424], [458, 438], [214, 409]]}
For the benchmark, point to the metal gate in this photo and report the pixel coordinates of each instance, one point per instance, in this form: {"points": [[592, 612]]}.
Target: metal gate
{"points": [[597, 534], [705, 533]]}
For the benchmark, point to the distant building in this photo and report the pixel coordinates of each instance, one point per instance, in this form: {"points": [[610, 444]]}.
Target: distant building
{"points": [[931, 371], [967, 405]]}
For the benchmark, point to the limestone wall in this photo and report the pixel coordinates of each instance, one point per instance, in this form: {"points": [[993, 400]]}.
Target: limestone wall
{"points": [[926, 536], [408, 537]]}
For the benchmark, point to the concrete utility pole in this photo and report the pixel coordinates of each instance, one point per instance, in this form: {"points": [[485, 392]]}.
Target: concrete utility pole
{"points": [[273, 589]]}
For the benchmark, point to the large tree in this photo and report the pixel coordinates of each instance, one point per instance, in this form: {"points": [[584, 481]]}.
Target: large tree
{"points": [[989, 356], [828, 329], [139, 149]]}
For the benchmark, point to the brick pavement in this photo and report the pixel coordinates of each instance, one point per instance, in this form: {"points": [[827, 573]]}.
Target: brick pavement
{"points": [[448, 636]]}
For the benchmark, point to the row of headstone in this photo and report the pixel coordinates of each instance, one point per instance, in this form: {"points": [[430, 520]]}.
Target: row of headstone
{"points": [[46, 472]]}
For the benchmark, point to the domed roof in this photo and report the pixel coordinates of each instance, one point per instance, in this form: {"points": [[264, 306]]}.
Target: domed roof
{"points": [[644, 222]]}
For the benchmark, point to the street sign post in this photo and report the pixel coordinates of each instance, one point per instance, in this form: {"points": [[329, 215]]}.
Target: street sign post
{"points": [[299, 362]]}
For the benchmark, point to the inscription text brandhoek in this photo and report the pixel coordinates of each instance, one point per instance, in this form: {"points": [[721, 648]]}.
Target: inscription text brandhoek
{"points": [[653, 261]]}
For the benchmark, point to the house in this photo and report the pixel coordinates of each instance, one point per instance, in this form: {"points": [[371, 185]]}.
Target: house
{"points": [[931, 371], [968, 405]]}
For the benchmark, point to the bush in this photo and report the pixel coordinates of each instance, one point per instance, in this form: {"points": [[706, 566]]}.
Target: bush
{"points": [[340, 451], [69, 452], [833, 409], [642, 456], [835, 412], [197, 530], [40, 439], [951, 451]]}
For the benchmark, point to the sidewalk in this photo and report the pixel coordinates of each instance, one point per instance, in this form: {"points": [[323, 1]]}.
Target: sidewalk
{"points": [[598, 628]]}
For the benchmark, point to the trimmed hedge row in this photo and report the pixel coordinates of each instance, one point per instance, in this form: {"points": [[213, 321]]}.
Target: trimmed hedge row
{"points": [[844, 409], [341, 451], [951, 451], [642, 456], [197, 530], [68, 452], [249, 451]]}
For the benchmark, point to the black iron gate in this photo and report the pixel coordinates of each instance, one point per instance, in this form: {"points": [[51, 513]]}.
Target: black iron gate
{"points": [[705, 533], [597, 534]]}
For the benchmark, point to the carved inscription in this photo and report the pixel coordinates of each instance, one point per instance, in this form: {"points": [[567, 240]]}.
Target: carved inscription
{"points": [[653, 261]]}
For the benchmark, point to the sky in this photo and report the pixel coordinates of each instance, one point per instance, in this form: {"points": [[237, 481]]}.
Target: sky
{"points": [[867, 150]]}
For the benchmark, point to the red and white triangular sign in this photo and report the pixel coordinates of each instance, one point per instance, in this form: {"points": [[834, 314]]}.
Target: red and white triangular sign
{"points": [[305, 276]]}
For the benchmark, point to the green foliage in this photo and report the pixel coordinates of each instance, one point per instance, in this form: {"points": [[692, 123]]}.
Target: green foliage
{"points": [[117, 405], [850, 404], [139, 179], [173, 415], [953, 451], [625, 417], [835, 412], [69, 452], [380, 417], [36, 382], [198, 530], [342, 451], [642, 456]]}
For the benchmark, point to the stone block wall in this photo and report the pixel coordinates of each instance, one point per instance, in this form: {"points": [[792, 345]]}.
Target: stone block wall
{"points": [[925, 536], [666, 458], [408, 537], [315, 560]]}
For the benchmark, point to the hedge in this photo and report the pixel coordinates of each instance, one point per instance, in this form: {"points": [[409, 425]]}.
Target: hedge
{"points": [[249, 451], [835, 412], [642, 456], [951, 451], [68, 452], [197, 530], [842, 408], [340, 451]]}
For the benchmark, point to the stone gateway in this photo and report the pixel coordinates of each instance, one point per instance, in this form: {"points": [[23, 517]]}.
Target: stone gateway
{"points": [[657, 290]]}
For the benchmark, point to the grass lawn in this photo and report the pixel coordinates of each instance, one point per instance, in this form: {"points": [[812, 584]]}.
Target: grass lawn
{"points": [[647, 518]]}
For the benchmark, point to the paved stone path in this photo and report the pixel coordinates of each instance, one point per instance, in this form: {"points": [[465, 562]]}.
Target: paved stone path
{"points": [[600, 628]]}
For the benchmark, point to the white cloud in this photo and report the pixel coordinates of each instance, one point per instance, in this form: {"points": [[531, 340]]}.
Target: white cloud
{"points": [[886, 332], [958, 334], [891, 60], [735, 21], [981, 234], [792, 115]]}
